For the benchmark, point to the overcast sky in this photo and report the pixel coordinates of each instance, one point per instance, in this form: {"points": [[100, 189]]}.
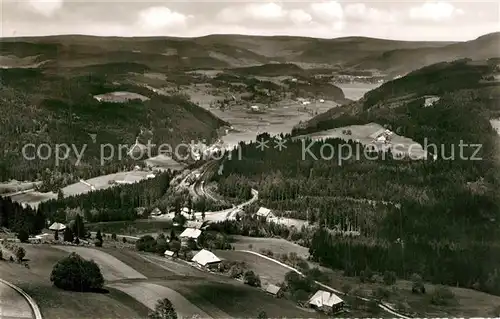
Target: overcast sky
{"points": [[408, 20]]}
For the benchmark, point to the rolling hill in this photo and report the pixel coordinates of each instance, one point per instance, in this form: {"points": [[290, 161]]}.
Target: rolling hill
{"points": [[445, 224], [219, 51]]}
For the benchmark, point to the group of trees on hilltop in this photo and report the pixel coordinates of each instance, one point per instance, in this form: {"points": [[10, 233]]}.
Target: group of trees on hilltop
{"points": [[112, 204]]}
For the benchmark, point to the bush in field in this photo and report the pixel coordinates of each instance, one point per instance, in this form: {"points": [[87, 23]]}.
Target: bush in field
{"points": [[98, 243], [262, 315], [98, 235], [146, 243], [163, 310], [252, 279], [23, 236], [77, 274], [418, 286], [302, 265], [442, 296], [390, 277], [124, 240], [366, 275], [20, 254], [113, 236], [381, 293]]}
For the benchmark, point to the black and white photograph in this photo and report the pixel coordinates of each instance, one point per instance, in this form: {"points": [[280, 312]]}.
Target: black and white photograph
{"points": [[218, 159]]}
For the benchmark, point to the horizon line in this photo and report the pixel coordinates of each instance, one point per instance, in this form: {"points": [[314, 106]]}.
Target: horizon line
{"points": [[236, 34]]}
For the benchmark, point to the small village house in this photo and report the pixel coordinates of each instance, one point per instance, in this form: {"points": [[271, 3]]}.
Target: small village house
{"points": [[326, 301], [189, 233], [274, 290], [169, 253], [206, 259], [156, 212], [264, 213]]}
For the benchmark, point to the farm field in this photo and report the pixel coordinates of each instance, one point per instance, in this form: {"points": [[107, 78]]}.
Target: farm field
{"points": [[365, 134], [213, 293], [56, 303], [14, 186], [164, 162], [276, 245], [469, 303], [101, 182], [271, 272], [148, 294], [112, 269]]}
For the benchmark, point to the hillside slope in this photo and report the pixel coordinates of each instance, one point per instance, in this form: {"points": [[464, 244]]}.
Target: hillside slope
{"points": [[59, 108], [219, 51], [443, 213]]}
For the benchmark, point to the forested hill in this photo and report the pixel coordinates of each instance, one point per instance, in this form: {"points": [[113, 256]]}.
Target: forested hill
{"points": [[445, 211], [59, 108]]}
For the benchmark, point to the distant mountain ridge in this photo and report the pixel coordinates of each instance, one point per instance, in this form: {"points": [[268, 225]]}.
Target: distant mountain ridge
{"points": [[226, 51]]}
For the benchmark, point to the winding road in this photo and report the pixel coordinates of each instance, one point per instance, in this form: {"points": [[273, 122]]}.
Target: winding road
{"points": [[16, 304]]}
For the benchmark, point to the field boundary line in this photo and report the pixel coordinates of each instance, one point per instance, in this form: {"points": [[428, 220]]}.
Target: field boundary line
{"points": [[34, 307], [381, 305]]}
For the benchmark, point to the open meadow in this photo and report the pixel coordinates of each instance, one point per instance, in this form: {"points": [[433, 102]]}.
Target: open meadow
{"points": [[56, 303], [467, 303]]}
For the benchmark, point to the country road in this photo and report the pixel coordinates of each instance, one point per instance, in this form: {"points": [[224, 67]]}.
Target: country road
{"points": [[16, 304]]}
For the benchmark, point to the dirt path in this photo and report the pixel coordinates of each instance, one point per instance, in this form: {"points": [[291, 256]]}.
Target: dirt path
{"points": [[149, 294]]}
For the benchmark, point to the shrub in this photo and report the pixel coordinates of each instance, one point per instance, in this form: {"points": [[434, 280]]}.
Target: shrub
{"points": [[381, 293], [124, 240], [163, 310], [346, 288], [262, 315], [417, 284], [113, 236], [366, 275], [303, 265], [77, 241], [11, 259], [251, 279], [76, 274], [98, 243], [442, 296], [146, 243], [390, 277], [23, 236], [236, 271], [68, 235], [20, 254], [98, 235]]}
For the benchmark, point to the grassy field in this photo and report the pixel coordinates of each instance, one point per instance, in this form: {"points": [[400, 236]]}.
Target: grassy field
{"points": [[468, 302], [16, 186], [271, 272], [276, 245], [56, 303], [112, 269], [214, 294], [148, 294], [366, 135]]}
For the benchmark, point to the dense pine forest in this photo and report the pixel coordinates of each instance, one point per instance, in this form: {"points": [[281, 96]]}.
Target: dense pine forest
{"points": [[112, 204], [437, 218]]}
